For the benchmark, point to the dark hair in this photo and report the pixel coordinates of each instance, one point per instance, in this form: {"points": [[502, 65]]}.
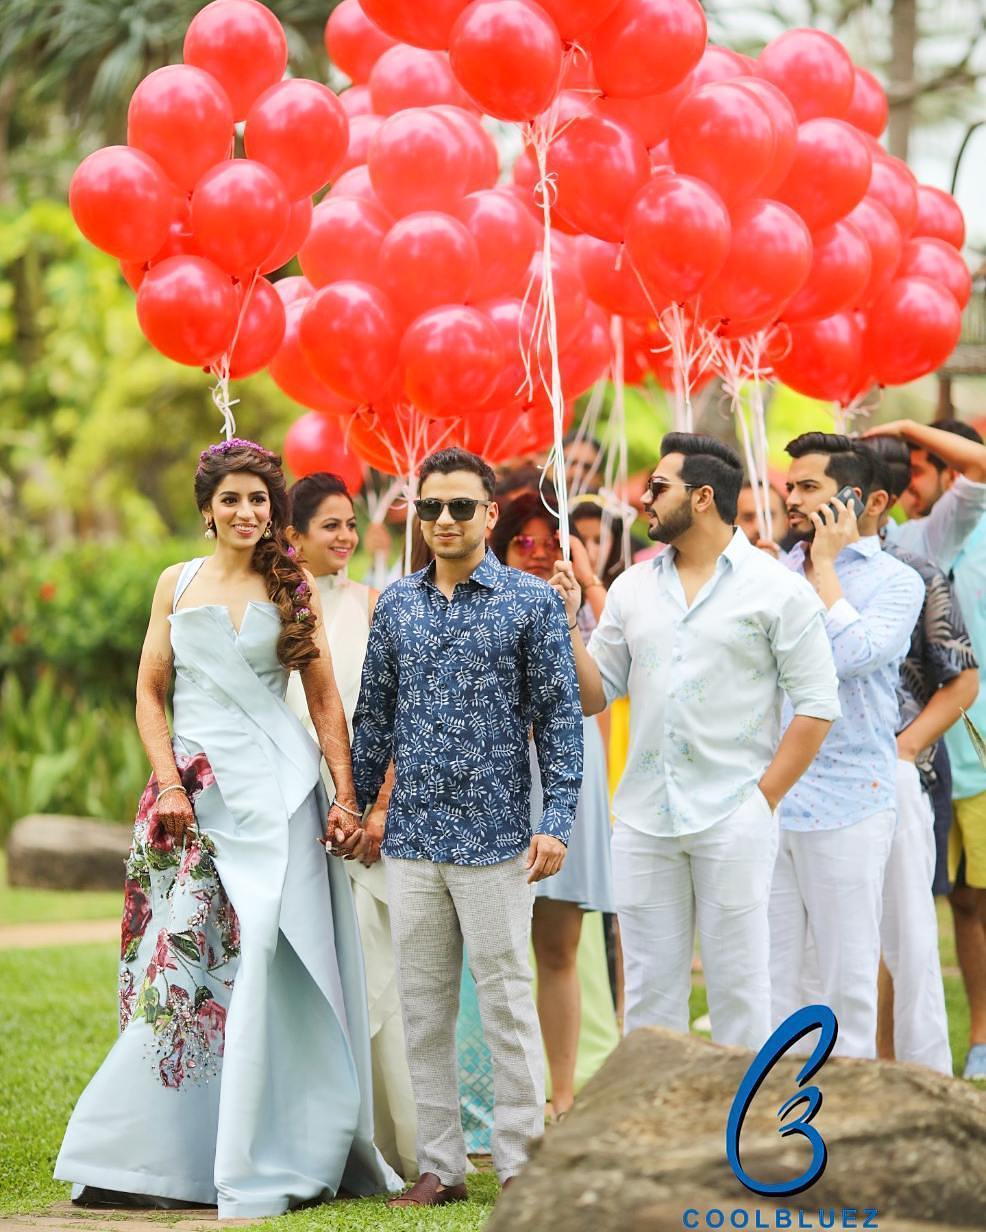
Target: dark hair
{"points": [[891, 463], [957, 428], [307, 494], [611, 568], [515, 515], [848, 466], [708, 463], [575, 438], [517, 479], [286, 583], [447, 461]]}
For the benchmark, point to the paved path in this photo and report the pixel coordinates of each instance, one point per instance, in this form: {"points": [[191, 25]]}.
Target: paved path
{"points": [[68, 932]]}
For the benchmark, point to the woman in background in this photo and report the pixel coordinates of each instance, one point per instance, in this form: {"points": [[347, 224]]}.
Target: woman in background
{"points": [[324, 535]]}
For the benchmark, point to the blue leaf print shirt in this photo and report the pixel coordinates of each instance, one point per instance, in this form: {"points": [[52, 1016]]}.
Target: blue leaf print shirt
{"points": [[451, 689]]}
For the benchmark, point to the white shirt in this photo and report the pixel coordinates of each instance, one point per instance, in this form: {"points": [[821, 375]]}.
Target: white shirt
{"points": [[706, 682], [939, 537]]}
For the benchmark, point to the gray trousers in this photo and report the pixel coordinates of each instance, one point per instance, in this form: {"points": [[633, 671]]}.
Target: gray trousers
{"points": [[434, 908]]}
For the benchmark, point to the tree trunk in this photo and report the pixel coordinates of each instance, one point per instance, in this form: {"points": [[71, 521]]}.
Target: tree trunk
{"points": [[903, 40]]}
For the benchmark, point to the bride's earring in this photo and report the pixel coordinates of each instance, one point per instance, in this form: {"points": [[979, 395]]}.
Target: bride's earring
{"points": [[210, 530], [268, 533]]}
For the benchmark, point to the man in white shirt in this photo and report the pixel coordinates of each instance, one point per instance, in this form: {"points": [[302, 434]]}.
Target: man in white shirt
{"points": [[837, 824], [704, 640]]}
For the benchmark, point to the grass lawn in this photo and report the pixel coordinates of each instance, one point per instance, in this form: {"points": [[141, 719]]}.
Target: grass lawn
{"points": [[22, 906]]}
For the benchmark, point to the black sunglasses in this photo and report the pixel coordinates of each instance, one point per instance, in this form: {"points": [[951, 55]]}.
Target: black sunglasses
{"points": [[462, 508]]}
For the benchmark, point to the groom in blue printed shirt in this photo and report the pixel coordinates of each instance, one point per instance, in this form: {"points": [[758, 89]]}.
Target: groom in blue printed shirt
{"points": [[464, 658]]}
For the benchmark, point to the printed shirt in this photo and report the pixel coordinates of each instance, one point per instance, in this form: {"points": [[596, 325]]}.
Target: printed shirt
{"points": [[953, 537], [854, 774], [450, 689], [706, 682], [940, 650]]}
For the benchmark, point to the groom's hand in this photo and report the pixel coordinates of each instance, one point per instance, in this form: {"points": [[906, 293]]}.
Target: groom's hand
{"points": [[545, 857]]}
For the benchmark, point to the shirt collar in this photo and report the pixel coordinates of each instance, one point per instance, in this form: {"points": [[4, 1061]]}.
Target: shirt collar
{"points": [[487, 573], [868, 546], [732, 554]]}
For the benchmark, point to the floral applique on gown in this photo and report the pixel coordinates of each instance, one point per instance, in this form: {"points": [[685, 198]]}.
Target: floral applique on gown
{"points": [[242, 1075]]}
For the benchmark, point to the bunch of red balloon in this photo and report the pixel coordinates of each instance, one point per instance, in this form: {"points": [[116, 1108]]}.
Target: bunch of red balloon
{"points": [[195, 227]]}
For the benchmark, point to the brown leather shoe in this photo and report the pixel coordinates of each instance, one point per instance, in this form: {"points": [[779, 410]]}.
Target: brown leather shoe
{"points": [[428, 1190]]}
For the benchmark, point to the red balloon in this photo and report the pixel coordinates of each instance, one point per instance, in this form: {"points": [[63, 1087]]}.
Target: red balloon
{"points": [[291, 371], [183, 118], [507, 56], [583, 362], [293, 288], [180, 242], [122, 202], [295, 234], [824, 359], [506, 238], [410, 21], [610, 280], [893, 184], [646, 46], [513, 321], [317, 442], [768, 262], [913, 328], [427, 260], [362, 130], [356, 183], [677, 234], [723, 134], [830, 173], [869, 109], [717, 64], [344, 241], [937, 259], [481, 153], [413, 77], [883, 238], [840, 270], [785, 124], [349, 335], [569, 289], [599, 167], [577, 18], [356, 100], [241, 44], [648, 116], [417, 161], [299, 129], [813, 69], [450, 359], [378, 438], [353, 42], [187, 308], [240, 212], [939, 215], [260, 331]]}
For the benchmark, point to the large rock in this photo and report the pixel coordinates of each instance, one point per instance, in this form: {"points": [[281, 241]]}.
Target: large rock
{"points": [[647, 1142], [52, 852]]}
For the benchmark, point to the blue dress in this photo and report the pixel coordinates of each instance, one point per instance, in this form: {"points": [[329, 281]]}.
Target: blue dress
{"points": [[241, 1076]]}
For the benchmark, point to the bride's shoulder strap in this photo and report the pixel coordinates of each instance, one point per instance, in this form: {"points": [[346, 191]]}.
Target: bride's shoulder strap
{"points": [[189, 570]]}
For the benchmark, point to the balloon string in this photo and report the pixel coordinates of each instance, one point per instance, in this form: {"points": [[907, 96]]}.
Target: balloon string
{"points": [[220, 391], [618, 425], [732, 372], [754, 347]]}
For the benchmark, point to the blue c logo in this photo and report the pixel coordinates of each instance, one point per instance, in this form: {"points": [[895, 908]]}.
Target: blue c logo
{"points": [[810, 1018]]}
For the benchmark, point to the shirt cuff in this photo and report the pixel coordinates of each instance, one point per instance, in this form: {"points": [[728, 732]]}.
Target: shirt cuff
{"points": [[826, 708], [840, 616], [556, 822], [970, 491]]}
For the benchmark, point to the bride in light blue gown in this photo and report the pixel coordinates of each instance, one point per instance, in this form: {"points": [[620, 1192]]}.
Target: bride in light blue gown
{"points": [[241, 1076]]}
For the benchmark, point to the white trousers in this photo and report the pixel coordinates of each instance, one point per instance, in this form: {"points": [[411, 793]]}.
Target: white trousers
{"points": [[719, 880], [909, 930], [829, 884]]}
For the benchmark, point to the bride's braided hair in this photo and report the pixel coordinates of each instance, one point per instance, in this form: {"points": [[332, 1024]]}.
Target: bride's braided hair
{"points": [[273, 559]]}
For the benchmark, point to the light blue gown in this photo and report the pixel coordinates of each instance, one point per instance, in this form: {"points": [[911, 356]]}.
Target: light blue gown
{"points": [[241, 1076]]}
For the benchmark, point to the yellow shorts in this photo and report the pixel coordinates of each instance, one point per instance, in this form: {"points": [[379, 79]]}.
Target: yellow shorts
{"points": [[967, 840]]}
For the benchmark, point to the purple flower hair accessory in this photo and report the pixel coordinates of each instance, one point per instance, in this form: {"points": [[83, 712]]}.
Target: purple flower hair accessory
{"points": [[302, 614], [234, 442], [301, 590]]}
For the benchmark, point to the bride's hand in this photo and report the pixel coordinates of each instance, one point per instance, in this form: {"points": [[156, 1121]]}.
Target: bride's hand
{"points": [[175, 815]]}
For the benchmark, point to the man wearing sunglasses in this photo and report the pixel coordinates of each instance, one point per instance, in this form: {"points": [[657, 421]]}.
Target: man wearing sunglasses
{"points": [[464, 657], [704, 639]]}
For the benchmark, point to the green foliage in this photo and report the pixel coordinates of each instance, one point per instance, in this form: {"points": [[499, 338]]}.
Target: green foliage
{"points": [[66, 754]]}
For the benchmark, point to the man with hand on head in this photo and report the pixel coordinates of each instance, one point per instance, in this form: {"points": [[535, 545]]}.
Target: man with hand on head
{"points": [[837, 823], [464, 657], [704, 639]]}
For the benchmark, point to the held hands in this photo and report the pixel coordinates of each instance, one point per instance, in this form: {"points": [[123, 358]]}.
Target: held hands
{"points": [[344, 834], [833, 532], [176, 815], [545, 857], [373, 828], [563, 580]]}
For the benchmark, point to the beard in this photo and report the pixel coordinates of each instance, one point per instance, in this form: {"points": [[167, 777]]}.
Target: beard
{"points": [[458, 549], [674, 524]]}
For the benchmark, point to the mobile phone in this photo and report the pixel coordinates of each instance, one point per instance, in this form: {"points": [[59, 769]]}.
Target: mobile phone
{"points": [[849, 499]]}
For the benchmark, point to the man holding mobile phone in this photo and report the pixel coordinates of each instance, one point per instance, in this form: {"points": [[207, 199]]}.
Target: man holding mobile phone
{"points": [[838, 820]]}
